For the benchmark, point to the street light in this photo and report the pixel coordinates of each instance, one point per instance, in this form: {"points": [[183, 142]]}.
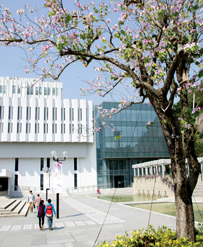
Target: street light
{"points": [[55, 158], [47, 170]]}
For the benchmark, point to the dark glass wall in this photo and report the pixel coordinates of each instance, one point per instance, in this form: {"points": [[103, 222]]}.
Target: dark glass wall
{"points": [[136, 145]]}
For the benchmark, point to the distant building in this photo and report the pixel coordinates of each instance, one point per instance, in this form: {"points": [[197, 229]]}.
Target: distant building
{"points": [[136, 145], [34, 120]]}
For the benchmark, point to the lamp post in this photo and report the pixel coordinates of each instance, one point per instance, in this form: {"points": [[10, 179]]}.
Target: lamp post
{"points": [[55, 158], [47, 170]]}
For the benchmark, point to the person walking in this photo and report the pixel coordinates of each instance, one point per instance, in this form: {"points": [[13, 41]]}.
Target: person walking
{"points": [[49, 210], [31, 200], [41, 214], [37, 201]]}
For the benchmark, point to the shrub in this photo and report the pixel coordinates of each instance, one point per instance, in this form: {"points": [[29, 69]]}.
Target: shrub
{"points": [[163, 237]]}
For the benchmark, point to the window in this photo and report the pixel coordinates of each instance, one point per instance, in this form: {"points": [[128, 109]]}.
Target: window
{"points": [[17, 127], [79, 114], [9, 127], [35, 128], [38, 128], [1, 112], [47, 128], [29, 90], [18, 89], [20, 127], [52, 128], [18, 115], [53, 91], [64, 114], [26, 127], [75, 181], [27, 113], [10, 112], [55, 114], [44, 113], [37, 113], [72, 114], [57, 91], [75, 164], [29, 128], [70, 117], [63, 129], [48, 162], [38, 91], [44, 128], [13, 89], [16, 164], [55, 128], [79, 128], [2, 89], [47, 91], [2, 127], [16, 183], [71, 127], [41, 181], [41, 164]]}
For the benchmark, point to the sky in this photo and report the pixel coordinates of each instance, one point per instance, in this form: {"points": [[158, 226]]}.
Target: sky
{"points": [[13, 62]]}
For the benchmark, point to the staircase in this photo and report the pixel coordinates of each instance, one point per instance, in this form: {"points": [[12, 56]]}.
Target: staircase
{"points": [[13, 207]]}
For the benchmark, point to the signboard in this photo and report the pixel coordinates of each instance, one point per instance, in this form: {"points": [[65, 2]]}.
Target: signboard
{"points": [[46, 180], [57, 180]]}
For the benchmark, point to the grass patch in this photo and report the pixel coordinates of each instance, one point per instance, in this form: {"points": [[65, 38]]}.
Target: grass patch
{"points": [[127, 198], [169, 208]]}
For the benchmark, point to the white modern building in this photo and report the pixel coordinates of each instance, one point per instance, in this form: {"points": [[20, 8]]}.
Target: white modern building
{"points": [[34, 120]]}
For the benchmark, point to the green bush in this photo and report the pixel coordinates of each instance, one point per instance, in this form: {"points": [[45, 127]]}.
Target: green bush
{"points": [[163, 237]]}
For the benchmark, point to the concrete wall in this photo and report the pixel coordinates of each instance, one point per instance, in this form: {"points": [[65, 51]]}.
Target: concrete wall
{"points": [[29, 168], [145, 186]]}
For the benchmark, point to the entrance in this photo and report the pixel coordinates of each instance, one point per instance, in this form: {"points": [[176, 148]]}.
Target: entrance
{"points": [[3, 184], [119, 181]]}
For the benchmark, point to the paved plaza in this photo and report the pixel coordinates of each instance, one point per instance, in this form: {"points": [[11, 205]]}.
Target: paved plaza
{"points": [[79, 223]]}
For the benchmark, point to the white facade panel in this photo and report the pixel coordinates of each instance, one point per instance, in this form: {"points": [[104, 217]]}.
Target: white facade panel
{"points": [[34, 120]]}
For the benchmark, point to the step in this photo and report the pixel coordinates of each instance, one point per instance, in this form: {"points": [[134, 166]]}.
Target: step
{"points": [[24, 211], [8, 204], [19, 207], [12, 206], [7, 212], [10, 215]]}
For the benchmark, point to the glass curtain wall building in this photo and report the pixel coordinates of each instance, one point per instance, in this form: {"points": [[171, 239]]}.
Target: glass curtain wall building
{"points": [[136, 144]]}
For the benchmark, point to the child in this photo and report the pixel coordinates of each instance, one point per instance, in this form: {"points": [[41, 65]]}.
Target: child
{"points": [[41, 214], [49, 209]]}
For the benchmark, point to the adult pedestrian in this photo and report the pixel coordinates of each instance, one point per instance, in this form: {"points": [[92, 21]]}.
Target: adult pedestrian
{"points": [[49, 210], [41, 214], [31, 200], [38, 200]]}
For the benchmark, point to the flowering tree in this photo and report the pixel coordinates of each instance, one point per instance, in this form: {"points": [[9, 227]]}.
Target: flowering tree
{"points": [[150, 48]]}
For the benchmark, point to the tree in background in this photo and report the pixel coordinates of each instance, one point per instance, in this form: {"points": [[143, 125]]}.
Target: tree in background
{"points": [[152, 49]]}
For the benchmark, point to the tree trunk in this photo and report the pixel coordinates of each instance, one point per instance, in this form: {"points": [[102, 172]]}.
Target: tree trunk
{"points": [[183, 185], [184, 217]]}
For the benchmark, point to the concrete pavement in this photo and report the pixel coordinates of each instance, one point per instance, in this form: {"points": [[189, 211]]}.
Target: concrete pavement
{"points": [[80, 220]]}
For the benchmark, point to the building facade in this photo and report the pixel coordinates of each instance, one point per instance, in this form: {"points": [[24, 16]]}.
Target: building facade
{"points": [[34, 120], [130, 142]]}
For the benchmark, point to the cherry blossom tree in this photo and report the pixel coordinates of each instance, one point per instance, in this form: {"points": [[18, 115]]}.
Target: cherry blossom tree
{"points": [[151, 49]]}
